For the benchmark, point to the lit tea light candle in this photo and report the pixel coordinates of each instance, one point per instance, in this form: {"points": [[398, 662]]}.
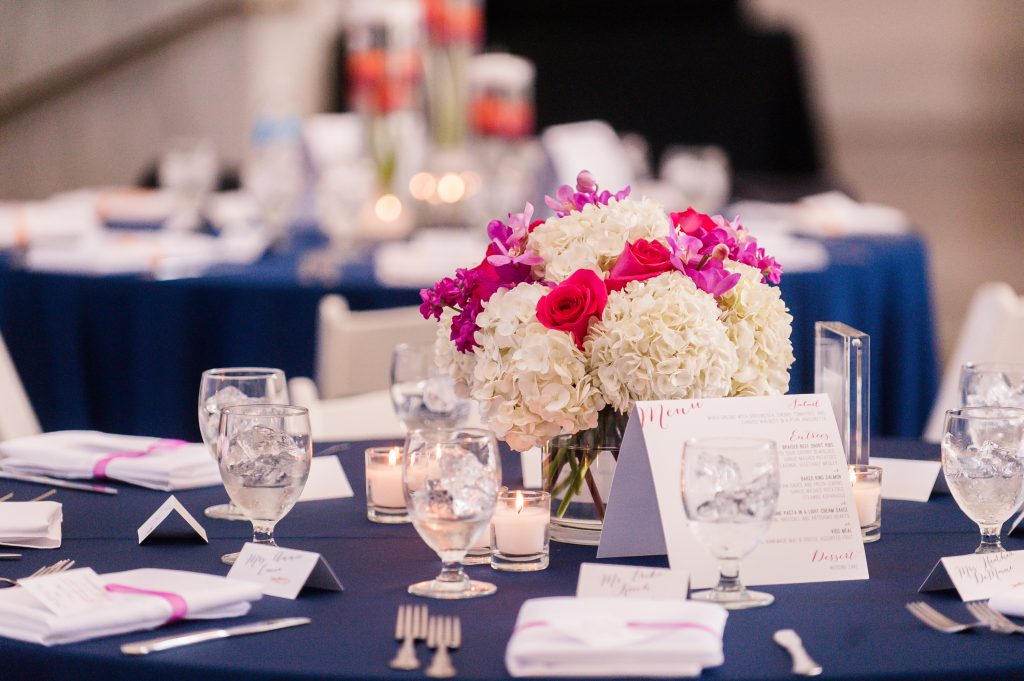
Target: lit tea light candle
{"points": [[867, 492], [520, 528], [384, 479]]}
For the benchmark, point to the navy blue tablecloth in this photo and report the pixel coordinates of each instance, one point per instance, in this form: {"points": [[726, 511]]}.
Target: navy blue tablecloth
{"points": [[123, 354], [856, 629]]}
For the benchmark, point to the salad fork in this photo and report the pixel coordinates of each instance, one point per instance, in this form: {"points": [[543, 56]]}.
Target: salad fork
{"points": [[993, 618], [59, 566], [443, 633], [937, 621], [410, 625]]}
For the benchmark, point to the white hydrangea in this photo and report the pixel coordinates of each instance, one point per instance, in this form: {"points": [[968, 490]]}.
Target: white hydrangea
{"points": [[759, 326], [458, 365], [531, 381], [661, 339], [595, 236]]}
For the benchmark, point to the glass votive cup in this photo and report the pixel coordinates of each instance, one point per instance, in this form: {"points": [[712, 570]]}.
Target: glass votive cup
{"points": [[520, 531], [867, 496], [385, 500], [480, 552]]}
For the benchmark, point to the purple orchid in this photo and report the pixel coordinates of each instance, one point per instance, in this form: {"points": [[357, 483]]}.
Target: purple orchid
{"points": [[567, 199], [510, 240]]}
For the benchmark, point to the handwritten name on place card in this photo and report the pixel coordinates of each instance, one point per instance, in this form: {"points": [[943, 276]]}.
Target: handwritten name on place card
{"points": [[283, 572], [977, 576], [625, 581]]}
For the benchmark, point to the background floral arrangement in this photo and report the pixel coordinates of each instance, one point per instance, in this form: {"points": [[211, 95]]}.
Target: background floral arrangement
{"points": [[570, 320]]}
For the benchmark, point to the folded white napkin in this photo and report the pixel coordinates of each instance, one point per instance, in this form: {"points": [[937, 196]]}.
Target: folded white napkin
{"points": [[32, 524], [567, 636], [162, 253], [166, 465], [55, 220], [1009, 602], [827, 214], [430, 255], [25, 618]]}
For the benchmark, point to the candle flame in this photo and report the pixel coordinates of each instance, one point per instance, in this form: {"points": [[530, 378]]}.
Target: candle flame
{"points": [[853, 476], [393, 456], [437, 451], [519, 502]]}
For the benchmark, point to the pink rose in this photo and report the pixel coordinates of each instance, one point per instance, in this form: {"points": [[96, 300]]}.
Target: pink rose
{"points": [[572, 304], [691, 222], [641, 259]]}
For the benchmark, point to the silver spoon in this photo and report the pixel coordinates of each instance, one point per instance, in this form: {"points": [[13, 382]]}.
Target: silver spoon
{"points": [[802, 662]]}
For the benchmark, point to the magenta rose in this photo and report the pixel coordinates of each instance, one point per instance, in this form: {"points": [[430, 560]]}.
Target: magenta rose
{"points": [[691, 222], [572, 304], [639, 260]]}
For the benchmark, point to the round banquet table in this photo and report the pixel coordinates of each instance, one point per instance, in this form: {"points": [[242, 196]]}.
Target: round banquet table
{"points": [[123, 354], [855, 629]]}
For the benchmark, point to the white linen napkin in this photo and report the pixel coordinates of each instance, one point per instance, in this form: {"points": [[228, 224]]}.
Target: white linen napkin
{"points": [[430, 255], [1009, 602], [25, 618], [167, 464], [565, 636], [31, 524]]}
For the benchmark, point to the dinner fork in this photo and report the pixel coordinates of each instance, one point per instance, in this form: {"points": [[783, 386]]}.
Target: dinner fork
{"points": [[410, 625], [59, 566], [993, 618], [937, 621], [443, 633]]}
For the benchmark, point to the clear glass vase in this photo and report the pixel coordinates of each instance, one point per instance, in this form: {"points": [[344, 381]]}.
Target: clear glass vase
{"points": [[578, 471]]}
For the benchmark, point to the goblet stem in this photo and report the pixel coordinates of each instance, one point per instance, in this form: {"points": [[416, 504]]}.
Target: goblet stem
{"points": [[729, 577], [452, 572], [263, 533], [990, 539]]}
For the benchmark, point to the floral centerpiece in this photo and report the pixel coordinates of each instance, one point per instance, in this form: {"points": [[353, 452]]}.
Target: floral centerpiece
{"points": [[567, 322]]}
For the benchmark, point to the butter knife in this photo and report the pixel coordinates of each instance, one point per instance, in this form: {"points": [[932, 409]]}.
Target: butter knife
{"points": [[166, 642], [802, 662], [57, 482]]}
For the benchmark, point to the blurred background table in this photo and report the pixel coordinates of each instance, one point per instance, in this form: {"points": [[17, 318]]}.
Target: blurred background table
{"points": [[123, 354]]}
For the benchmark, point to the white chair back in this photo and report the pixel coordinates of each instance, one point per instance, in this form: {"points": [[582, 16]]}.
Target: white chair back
{"points": [[354, 348], [357, 417], [17, 418], [992, 332]]}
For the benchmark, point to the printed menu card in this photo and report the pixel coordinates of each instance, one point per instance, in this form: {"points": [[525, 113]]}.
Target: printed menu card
{"points": [[815, 533]]}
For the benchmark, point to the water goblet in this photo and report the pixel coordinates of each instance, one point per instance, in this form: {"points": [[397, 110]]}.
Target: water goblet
{"points": [[220, 388], [423, 395], [265, 453], [983, 462], [730, 486], [450, 479], [992, 384]]}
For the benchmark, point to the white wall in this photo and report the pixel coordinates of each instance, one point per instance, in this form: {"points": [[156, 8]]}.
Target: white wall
{"points": [[923, 106], [269, 55]]}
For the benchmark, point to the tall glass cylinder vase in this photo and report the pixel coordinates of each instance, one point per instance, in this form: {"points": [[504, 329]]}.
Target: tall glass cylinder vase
{"points": [[451, 176], [578, 471]]}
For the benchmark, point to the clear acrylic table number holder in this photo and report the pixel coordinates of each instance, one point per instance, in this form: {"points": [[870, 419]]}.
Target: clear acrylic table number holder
{"points": [[842, 370]]}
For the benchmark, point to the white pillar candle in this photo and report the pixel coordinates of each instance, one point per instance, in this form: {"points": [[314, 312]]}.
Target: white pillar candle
{"points": [[384, 481], [866, 494], [518, 529]]}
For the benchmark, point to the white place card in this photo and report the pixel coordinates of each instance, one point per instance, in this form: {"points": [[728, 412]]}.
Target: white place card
{"points": [[976, 576], [625, 581], [172, 505], [283, 572], [67, 593], [815, 533], [906, 479], [327, 480]]}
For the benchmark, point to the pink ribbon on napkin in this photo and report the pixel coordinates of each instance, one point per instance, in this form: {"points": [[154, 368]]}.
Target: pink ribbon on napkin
{"points": [[634, 625], [99, 470], [179, 607]]}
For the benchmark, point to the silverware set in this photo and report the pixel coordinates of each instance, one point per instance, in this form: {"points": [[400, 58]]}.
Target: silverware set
{"points": [[59, 566], [45, 495], [984, 616], [441, 634]]}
